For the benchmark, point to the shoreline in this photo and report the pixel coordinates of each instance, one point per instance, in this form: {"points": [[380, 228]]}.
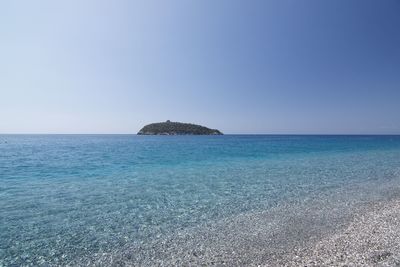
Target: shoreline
{"points": [[364, 232], [113, 203], [323, 230], [372, 238]]}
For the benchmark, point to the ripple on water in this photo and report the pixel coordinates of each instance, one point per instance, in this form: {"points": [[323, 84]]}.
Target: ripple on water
{"points": [[76, 199]]}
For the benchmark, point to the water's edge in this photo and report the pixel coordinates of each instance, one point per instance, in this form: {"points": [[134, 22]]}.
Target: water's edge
{"points": [[286, 235], [145, 201]]}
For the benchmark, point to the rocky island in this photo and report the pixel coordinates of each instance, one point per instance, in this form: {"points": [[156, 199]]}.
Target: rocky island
{"points": [[176, 128]]}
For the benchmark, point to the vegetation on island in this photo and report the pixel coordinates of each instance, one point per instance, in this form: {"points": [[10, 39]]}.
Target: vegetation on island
{"points": [[177, 128]]}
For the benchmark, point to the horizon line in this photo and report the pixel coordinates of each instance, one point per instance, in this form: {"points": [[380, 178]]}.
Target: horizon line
{"points": [[359, 134]]}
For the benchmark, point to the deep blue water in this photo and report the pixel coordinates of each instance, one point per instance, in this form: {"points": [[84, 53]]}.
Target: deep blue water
{"points": [[67, 197]]}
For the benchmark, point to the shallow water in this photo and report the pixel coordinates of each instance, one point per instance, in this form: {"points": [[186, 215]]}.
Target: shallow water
{"points": [[65, 199]]}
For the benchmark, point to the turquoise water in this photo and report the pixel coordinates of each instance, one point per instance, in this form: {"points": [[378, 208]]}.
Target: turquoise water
{"points": [[65, 199]]}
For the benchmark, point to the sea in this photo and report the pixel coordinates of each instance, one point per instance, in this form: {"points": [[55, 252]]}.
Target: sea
{"points": [[103, 200]]}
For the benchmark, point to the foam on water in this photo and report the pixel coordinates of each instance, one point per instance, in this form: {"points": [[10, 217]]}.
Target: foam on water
{"points": [[79, 199]]}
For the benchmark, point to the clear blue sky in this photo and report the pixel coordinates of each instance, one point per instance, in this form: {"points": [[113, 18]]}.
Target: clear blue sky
{"points": [[307, 66]]}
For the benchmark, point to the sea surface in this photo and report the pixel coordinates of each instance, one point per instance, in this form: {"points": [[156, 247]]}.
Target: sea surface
{"points": [[121, 199]]}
